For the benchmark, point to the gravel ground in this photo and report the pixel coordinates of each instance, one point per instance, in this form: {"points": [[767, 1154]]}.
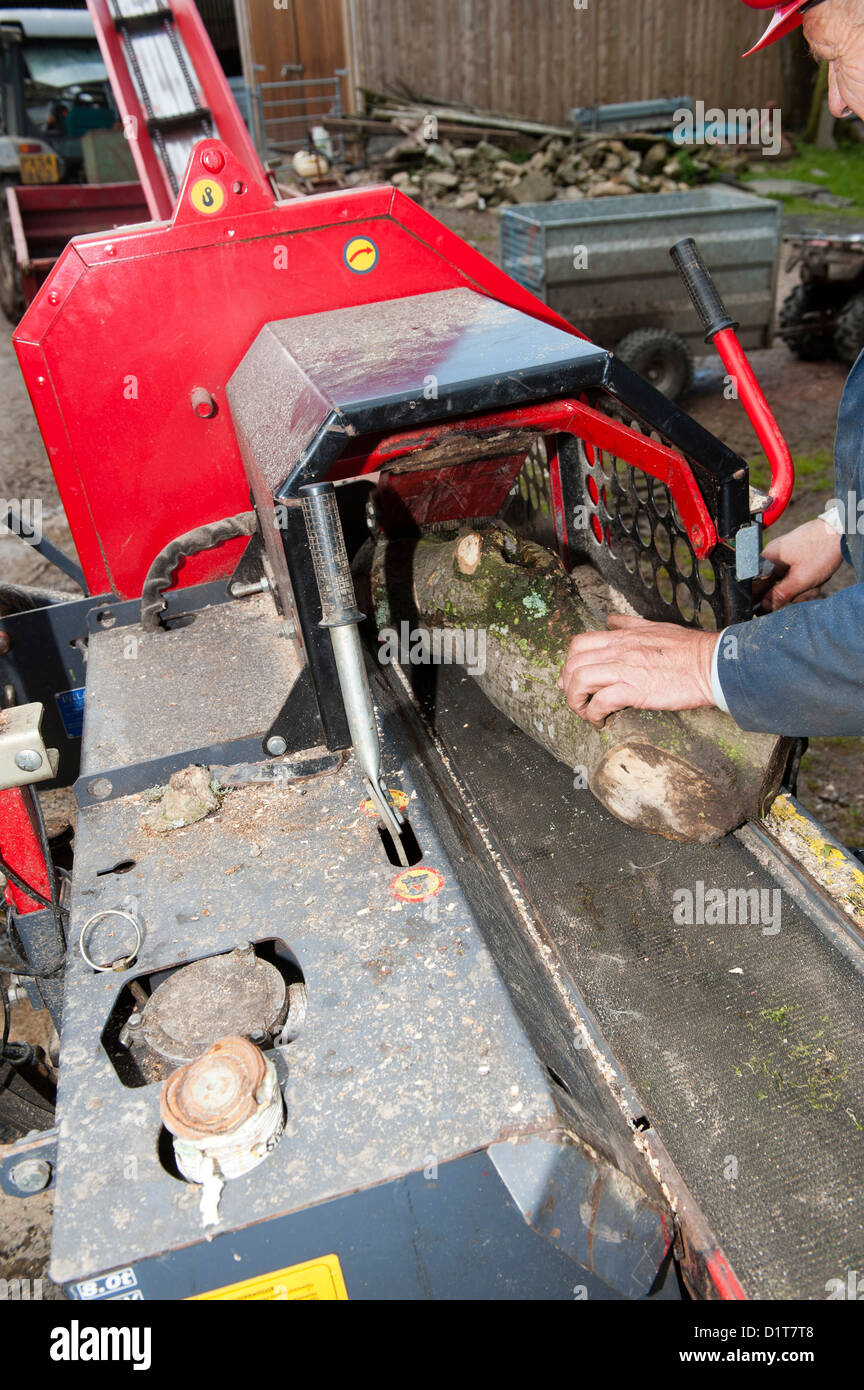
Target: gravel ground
{"points": [[805, 398]]}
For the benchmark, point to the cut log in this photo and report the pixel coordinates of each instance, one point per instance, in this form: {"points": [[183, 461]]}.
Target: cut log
{"points": [[692, 775]]}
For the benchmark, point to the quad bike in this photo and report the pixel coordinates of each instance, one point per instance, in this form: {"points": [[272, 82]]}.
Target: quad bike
{"points": [[823, 317]]}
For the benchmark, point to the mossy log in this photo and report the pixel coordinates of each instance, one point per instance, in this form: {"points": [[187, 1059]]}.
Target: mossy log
{"points": [[692, 775]]}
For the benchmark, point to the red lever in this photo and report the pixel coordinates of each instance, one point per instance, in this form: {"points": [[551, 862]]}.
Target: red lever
{"points": [[762, 419], [720, 330]]}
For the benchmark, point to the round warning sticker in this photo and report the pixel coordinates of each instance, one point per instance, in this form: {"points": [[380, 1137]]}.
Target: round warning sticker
{"points": [[399, 799], [361, 255], [416, 885], [207, 196]]}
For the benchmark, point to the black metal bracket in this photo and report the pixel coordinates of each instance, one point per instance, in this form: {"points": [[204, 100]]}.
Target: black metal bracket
{"points": [[34, 935]]}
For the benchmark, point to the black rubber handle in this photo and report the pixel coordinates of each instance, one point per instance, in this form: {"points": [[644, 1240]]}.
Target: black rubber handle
{"points": [[701, 288]]}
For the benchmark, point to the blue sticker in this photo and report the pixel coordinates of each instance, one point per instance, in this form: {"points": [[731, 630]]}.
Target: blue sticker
{"points": [[71, 706], [120, 1284]]}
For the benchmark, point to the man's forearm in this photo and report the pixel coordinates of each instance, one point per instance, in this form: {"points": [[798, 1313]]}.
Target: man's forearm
{"points": [[799, 671]]}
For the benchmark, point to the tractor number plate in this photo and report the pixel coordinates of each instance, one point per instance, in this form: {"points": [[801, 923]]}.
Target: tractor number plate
{"points": [[316, 1279], [39, 168]]}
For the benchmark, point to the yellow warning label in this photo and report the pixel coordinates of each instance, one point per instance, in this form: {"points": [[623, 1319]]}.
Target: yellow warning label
{"points": [[416, 885], [317, 1279], [207, 196], [399, 799], [361, 255]]}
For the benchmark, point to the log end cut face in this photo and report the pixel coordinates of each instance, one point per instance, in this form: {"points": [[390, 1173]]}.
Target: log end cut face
{"points": [[650, 787]]}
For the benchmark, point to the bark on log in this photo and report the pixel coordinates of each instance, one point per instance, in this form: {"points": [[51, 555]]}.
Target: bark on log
{"points": [[692, 775]]}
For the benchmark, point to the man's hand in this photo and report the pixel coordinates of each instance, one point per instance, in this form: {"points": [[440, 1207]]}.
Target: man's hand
{"points": [[638, 665], [804, 560]]}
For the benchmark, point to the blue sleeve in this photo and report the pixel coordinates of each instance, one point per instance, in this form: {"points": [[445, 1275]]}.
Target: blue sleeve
{"points": [[799, 671]]}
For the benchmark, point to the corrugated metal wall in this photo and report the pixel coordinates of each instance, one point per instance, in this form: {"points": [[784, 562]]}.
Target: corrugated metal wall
{"points": [[538, 58]]}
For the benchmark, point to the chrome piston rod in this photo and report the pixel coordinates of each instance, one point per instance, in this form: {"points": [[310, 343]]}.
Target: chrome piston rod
{"points": [[339, 613]]}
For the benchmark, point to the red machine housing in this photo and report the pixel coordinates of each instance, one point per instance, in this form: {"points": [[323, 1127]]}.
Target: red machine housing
{"points": [[167, 311]]}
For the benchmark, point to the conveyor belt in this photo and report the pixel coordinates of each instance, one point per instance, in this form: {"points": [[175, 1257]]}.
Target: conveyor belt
{"points": [[744, 1047], [164, 79]]}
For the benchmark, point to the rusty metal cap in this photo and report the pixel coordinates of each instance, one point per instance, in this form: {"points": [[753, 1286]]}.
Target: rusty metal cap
{"points": [[216, 1093]]}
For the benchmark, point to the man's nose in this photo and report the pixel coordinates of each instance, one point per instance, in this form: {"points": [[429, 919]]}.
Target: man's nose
{"points": [[836, 105]]}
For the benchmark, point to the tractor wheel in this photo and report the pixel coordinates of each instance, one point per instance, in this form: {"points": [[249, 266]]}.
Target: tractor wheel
{"points": [[803, 325], [661, 357], [11, 297], [849, 331]]}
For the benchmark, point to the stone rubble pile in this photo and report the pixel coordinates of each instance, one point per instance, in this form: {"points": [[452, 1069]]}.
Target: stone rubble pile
{"points": [[483, 175]]}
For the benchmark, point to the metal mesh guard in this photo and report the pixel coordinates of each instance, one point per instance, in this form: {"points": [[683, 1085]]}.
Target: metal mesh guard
{"points": [[634, 537]]}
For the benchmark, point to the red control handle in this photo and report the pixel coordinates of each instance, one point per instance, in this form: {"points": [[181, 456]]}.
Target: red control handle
{"points": [[720, 330]]}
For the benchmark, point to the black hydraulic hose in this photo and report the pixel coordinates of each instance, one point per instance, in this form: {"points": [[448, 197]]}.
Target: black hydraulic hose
{"points": [[53, 904], [22, 598], [21, 884], [161, 573]]}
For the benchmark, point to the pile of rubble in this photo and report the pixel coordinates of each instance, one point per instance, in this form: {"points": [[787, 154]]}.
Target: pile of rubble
{"points": [[483, 175]]}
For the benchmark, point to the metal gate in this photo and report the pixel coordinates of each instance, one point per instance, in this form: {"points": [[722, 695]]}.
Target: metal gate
{"points": [[288, 110]]}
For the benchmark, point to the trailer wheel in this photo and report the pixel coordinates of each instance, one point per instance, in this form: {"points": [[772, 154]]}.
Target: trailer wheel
{"points": [[11, 297], [805, 323], [661, 357], [849, 331]]}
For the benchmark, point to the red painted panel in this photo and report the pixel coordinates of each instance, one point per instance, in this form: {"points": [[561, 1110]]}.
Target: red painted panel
{"points": [[130, 322], [20, 847]]}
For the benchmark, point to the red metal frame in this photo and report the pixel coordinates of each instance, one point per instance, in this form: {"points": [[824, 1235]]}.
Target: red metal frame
{"points": [[597, 431], [723, 1278], [216, 95], [22, 849]]}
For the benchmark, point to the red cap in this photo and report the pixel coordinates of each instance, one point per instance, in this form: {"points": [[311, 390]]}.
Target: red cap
{"points": [[786, 18]]}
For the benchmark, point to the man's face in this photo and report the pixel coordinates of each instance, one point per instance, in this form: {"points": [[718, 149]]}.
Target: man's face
{"points": [[835, 33]]}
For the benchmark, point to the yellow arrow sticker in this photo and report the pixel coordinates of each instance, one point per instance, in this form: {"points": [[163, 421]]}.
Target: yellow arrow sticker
{"points": [[416, 885], [399, 799], [361, 255]]}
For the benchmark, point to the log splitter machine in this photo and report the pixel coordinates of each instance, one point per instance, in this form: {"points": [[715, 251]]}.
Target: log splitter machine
{"points": [[343, 1022]]}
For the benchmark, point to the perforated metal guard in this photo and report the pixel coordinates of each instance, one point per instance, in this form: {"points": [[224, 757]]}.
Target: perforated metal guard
{"points": [[636, 538], [629, 530]]}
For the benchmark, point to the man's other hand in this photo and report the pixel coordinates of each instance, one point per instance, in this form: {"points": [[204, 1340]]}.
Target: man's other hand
{"points": [[803, 560], [638, 665]]}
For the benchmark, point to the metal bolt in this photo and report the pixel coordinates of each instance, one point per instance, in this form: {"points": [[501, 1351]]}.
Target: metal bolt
{"points": [[277, 745], [202, 403], [213, 161], [28, 760], [247, 590], [31, 1175]]}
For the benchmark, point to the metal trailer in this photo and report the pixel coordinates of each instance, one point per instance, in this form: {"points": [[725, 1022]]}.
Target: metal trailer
{"points": [[43, 218], [506, 1071], [603, 264], [823, 316]]}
